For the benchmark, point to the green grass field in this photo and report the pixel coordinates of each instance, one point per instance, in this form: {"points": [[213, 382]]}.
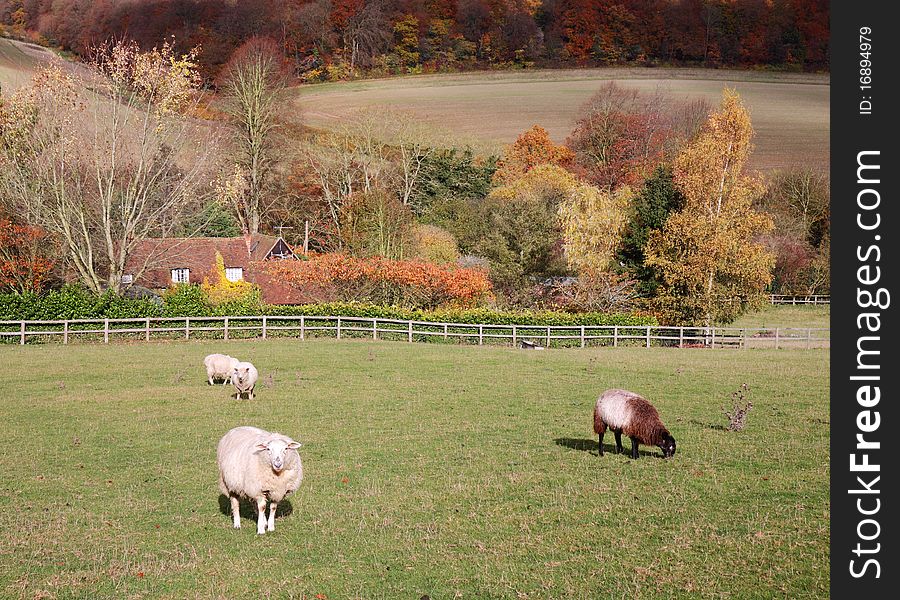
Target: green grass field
{"points": [[451, 471], [790, 112], [787, 315]]}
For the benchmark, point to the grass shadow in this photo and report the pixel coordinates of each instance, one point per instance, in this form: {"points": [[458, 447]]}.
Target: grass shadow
{"points": [[590, 445], [248, 508], [714, 426]]}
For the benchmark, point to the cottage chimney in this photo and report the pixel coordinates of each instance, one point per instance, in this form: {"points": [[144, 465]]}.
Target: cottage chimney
{"points": [[248, 240]]}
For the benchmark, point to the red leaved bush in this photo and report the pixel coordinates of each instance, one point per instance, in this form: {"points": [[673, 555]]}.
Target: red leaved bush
{"points": [[409, 283], [24, 257]]}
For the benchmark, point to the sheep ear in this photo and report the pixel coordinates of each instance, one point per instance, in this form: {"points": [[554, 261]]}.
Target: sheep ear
{"points": [[294, 445], [262, 446]]}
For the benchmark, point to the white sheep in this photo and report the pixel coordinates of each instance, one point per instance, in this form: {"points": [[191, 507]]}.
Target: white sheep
{"points": [[258, 465], [243, 378], [219, 366]]}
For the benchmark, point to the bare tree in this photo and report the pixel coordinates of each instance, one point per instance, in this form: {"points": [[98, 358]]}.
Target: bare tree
{"points": [[367, 34], [105, 159], [253, 85]]}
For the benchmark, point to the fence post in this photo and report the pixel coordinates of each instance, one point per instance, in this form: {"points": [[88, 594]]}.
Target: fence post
{"points": [[375, 329], [147, 330], [187, 328], [22, 332], [339, 328], [808, 337], [264, 327], [480, 334], [514, 336], [648, 336], [302, 327], [681, 336], [548, 336], [582, 336], [409, 336], [713, 341], [615, 335], [226, 328], [105, 331], [66, 331], [777, 333], [445, 331], [744, 339]]}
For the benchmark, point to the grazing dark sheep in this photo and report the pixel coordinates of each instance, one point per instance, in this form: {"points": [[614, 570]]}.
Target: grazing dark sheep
{"points": [[626, 412]]}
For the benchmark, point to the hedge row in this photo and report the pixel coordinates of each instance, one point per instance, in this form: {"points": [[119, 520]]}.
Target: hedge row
{"points": [[72, 302]]}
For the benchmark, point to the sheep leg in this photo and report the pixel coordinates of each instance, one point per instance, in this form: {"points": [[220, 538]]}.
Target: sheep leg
{"points": [[272, 507], [634, 448], [261, 516], [619, 448], [250, 394], [600, 443], [236, 511]]}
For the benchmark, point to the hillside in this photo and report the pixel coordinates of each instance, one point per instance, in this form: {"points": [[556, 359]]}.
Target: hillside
{"points": [[18, 61], [790, 112]]}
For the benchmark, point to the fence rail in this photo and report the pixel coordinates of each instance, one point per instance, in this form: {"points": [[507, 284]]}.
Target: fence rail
{"points": [[788, 299], [264, 327]]}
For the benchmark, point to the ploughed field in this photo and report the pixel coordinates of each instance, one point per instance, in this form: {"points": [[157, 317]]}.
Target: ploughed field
{"points": [[451, 471], [790, 112]]}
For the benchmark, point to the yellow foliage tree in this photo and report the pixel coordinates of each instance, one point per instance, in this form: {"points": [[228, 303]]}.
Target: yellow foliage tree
{"points": [[710, 265], [435, 244], [219, 290], [592, 223]]}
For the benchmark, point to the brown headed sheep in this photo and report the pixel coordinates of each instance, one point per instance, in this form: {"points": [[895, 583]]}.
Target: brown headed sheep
{"points": [[629, 413]]}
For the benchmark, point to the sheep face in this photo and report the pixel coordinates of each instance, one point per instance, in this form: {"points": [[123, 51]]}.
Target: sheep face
{"points": [[241, 375], [668, 446], [276, 449]]}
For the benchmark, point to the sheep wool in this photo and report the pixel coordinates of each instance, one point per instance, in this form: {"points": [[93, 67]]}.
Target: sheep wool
{"points": [[219, 366], [261, 466], [629, 413], [243, 378]]}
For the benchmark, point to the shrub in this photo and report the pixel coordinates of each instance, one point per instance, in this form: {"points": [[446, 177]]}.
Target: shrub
{"points": [[411, 283], [487, 316], [74, 302], [230, 297], [435, 245]]}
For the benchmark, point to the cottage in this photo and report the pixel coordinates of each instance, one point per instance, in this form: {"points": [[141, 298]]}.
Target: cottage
{"points": [[157, 263]]}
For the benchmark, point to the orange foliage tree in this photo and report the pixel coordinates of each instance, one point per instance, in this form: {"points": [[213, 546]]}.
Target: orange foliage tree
{"points": [[24, 257], [532, 148], [409, 283]]}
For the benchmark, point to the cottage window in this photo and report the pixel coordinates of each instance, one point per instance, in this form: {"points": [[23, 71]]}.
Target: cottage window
{"points": [[127, 279], [181, 275], [234, 274]]}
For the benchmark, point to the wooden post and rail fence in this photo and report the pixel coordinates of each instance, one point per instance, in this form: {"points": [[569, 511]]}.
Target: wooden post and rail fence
{"points": [[340, 327]]}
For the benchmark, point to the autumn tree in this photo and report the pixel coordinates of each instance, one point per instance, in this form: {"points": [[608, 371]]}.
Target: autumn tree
{"points": [[376, 223], [522, 230], [26, 257], [798, 200], [435, 245], [622, 134], [592, 223], [532, 148], [101, 170], [707, 255], [251, 88]]}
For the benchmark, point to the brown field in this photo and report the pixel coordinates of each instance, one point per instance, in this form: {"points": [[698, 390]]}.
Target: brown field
{"points": [[487, 110], [790, 112]]}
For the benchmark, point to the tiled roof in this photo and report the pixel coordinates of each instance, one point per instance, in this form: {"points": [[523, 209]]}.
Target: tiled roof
{"points": [[162, 255]]}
